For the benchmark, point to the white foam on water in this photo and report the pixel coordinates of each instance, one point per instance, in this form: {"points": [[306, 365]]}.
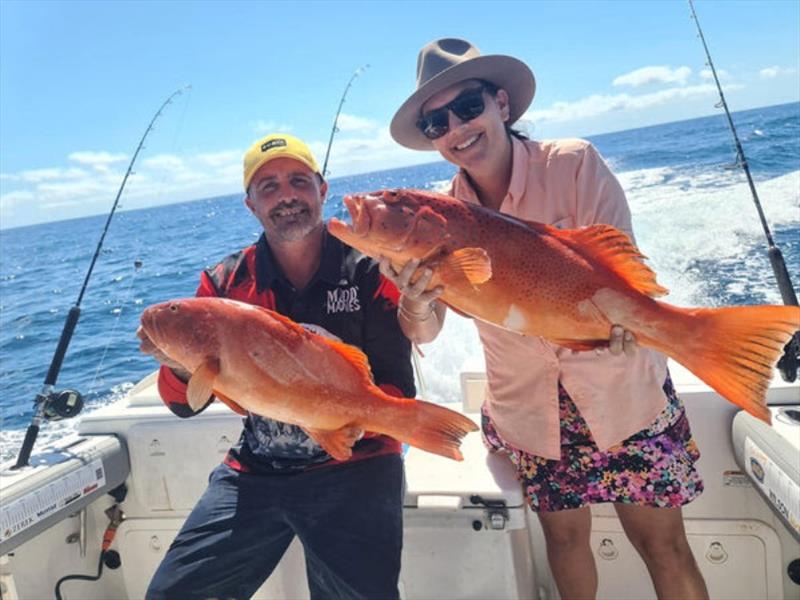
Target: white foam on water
{"points": [[441, 186], [456, 349], [710, 217]]}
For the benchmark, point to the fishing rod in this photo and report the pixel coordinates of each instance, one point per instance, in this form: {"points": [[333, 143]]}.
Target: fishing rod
{"points": [[68, 403], [790, 361], [334, 129]]}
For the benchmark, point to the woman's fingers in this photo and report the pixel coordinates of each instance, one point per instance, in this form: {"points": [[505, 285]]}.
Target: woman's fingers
{"points": [[416, 289], [405, 275], [621, 341], [629, 344], [385, 267], [431, 295], [403, 279]]}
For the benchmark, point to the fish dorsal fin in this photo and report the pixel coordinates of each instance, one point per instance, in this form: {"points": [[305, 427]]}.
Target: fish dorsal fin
{"points": [[281, 318], [615, 250], [351, 353], [472, 263], [201, 384]]}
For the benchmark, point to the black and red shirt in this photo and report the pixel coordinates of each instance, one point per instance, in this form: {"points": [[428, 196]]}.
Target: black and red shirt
{"points": [[347, 297]]}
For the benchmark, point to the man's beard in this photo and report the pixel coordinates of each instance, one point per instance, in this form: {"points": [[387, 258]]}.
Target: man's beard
{"points": [[292, 221]]}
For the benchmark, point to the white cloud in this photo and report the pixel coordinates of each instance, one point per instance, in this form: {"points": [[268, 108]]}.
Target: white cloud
{"points": [[163, 162], [262, 127], [57, 192], [352, 123], [98, 160], [654, 74], [223, 158], [29, 195], [722, 74], [371, 151], [11, 199], [775, 71], [36, 175], [597, 104]]}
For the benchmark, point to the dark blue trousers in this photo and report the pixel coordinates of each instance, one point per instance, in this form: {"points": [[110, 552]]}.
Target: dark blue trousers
{"points": [[349, 519]]}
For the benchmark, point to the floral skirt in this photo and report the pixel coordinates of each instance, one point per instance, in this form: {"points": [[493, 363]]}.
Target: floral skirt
{"points": [[654, 467]]}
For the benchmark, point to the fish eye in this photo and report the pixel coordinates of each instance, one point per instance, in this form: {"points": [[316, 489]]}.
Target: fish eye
{"points": [[173, 307]]}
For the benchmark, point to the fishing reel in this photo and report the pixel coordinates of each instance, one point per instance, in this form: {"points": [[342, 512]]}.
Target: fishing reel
{"points": [[789, 363], [58, 405]]}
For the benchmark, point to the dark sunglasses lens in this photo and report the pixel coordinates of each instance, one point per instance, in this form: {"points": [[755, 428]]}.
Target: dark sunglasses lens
{"points": [[468, 106], [435, 124]]}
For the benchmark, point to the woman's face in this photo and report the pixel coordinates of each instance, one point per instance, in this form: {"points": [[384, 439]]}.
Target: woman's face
{"points": [[472, 144]]}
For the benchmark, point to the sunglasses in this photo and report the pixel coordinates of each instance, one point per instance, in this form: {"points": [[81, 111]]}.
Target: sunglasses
{"points": [[466, 106]]}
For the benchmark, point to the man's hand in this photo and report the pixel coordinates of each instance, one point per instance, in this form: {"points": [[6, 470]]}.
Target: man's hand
{"points": [[147, 346], [416, 301]]}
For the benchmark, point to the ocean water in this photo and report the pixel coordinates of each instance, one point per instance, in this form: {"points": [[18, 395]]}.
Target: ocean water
{"points": [[693, 217]]}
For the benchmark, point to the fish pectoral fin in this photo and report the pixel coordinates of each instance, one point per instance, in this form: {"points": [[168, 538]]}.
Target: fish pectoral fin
{"points": [[230, 403], [337, 442], [201, 384], [472, 263]]}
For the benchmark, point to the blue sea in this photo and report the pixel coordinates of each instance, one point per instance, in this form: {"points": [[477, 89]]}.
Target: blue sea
{"points": [[693, 217]]}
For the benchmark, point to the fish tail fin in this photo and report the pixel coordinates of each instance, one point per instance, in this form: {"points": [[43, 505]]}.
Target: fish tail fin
{"points": [[734, 349], [431, 427]]}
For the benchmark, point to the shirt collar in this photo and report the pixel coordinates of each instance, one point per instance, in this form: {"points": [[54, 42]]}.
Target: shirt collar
{"points": [[462, 188], [268, 271], [519, 174], [331, 266]]}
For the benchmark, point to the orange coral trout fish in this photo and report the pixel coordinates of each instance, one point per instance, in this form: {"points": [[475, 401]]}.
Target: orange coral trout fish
{"points": [[257, 360], [568, 286]]}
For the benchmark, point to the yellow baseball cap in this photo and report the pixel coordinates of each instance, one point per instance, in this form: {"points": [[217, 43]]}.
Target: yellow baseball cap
{"points": [[276, 145]]}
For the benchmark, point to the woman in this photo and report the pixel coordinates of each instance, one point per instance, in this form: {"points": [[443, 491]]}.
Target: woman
{"points": [[580, 427]]}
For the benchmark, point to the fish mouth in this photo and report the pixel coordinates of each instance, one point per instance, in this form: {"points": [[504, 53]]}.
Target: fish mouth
{"points": [[356, 205], [148, 320], [384, 220]]}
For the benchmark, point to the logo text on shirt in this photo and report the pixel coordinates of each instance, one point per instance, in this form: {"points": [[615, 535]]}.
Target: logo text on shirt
{"points": [[343, 300]]}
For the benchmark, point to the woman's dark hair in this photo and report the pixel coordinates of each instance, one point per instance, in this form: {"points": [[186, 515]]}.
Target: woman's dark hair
{"points": [[492, 89]]}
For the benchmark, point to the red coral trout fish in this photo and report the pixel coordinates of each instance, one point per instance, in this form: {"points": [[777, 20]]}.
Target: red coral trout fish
{"points": [[257, 360], [568, 286]]}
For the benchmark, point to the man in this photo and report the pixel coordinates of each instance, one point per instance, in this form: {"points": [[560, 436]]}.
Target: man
{"points": [[277, 482]]}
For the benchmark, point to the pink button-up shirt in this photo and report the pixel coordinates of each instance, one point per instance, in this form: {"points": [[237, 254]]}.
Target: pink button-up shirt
{"points": [[564, 183]]}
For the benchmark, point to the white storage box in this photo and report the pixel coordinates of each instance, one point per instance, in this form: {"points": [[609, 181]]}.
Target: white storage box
{"points": [[465, 528]]}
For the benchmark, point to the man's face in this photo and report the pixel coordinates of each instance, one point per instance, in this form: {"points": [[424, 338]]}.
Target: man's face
{"points": [[286, 197]]}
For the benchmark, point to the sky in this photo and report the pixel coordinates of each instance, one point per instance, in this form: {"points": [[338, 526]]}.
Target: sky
{"points": [[80, 81]]}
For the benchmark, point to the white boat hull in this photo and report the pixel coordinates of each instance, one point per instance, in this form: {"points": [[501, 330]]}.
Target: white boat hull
{"points": [[453, 546]]}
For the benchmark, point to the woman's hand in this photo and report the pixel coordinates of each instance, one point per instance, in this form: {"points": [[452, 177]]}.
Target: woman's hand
{"points": [[621, 341], [419, 314], [415, 301]]}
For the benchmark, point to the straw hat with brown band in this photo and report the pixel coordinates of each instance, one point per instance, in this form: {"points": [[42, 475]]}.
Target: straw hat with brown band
{"points": [[448, 61]]}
